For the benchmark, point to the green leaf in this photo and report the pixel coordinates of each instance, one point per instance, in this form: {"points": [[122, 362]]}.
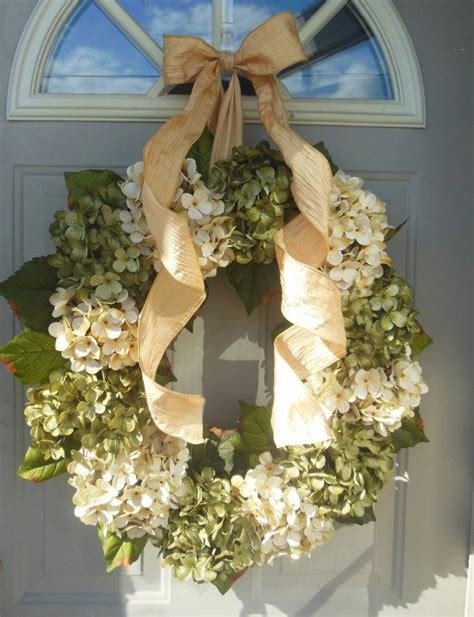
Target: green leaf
{"points": [[201, 152], [164, 374], [281, 327], [88, 182], [368, 517], [394, 230], [224, 581], [254, 434], [37, 469], [420, 341], [254, 283], [321, 146], [31, 357], [120, 552], [207, 454], [28, 290], [410, 433]]}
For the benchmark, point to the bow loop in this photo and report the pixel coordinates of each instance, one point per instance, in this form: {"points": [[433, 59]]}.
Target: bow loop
{"points": [[184, 57], [271, 47]]}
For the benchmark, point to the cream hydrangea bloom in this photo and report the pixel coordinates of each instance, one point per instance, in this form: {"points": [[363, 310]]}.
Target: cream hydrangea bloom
{"points": [[134, 493], [202, 207], [212, 245], [60, 301], [287, 522], [379, 397], [357, 227], [93, 335]]}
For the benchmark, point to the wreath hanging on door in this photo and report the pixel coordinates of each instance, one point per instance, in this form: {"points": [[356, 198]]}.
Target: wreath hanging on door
{"points": [[286, 476]]}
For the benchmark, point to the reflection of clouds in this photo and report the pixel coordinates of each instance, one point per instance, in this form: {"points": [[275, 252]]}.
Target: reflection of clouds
{"points": [[193, 20], [196, 20], [110, 64], [88, 69], [353, 74], [247, 17]]}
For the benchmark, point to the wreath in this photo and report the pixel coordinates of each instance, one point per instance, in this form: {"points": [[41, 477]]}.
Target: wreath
{"points": [[237, 500]]}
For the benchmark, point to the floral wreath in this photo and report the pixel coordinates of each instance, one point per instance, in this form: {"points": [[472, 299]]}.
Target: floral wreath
{"points": [[280, 482], [215, 509]]}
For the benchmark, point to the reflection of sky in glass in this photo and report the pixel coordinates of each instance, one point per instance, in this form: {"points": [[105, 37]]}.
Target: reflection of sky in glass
{"points": [[93, 56], [248, 14], [354, 73], [158, 17], [345, 59]]}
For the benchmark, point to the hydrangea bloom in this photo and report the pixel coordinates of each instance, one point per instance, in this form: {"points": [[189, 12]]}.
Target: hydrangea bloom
{"points": [[93, 335], [134, 493], [357, 226], [288, 522], [377, 397], [203, 209]]}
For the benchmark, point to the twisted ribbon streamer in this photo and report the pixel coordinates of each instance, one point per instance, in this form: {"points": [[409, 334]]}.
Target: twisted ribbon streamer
{"points": [[310, 301]]}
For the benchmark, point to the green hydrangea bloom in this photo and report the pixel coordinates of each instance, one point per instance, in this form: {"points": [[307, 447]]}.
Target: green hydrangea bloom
{"points": [[381, 326], [93, 253], [206, 536], [74, 410], [256, 187]]}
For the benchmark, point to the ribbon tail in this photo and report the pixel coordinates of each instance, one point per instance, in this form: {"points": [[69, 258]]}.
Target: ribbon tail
{"points": [[178, 290], [309, 299], [229, 125]]}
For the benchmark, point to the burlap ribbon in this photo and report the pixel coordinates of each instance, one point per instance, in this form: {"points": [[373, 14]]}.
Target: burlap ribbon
{"points": [[309, 299]]}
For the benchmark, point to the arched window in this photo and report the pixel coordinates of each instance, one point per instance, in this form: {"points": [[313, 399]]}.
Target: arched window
{"points": [[101, 60]]}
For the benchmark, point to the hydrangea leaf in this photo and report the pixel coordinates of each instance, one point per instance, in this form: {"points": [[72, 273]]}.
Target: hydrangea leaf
{"points": [[255, 283], [208, 454], [278, 329], [393, 231], [37, 469], [88, 182], [31, 357], [28, 290], [254, 435], [368, 517], [321, 146], [164, 374], [224, 581], [201, 153], [120, 552], [420, 341], [410, 433]]}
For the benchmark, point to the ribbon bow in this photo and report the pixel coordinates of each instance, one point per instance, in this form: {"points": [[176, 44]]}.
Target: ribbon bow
{"points": [[310, 301]]}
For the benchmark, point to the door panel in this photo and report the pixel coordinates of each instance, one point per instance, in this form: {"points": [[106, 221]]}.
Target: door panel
{"points": [[412, 561]]}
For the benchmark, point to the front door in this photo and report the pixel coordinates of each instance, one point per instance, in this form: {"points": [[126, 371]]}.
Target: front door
{"points": [[413, 560]]}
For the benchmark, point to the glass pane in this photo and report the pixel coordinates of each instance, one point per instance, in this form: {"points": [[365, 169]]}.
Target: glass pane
{"points": [[345, 60], [93, 56], [159, 17], [248, 14]]}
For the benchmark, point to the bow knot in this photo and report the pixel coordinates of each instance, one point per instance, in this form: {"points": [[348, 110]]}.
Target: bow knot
{"points": [[267, 50], [226, 62]]}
